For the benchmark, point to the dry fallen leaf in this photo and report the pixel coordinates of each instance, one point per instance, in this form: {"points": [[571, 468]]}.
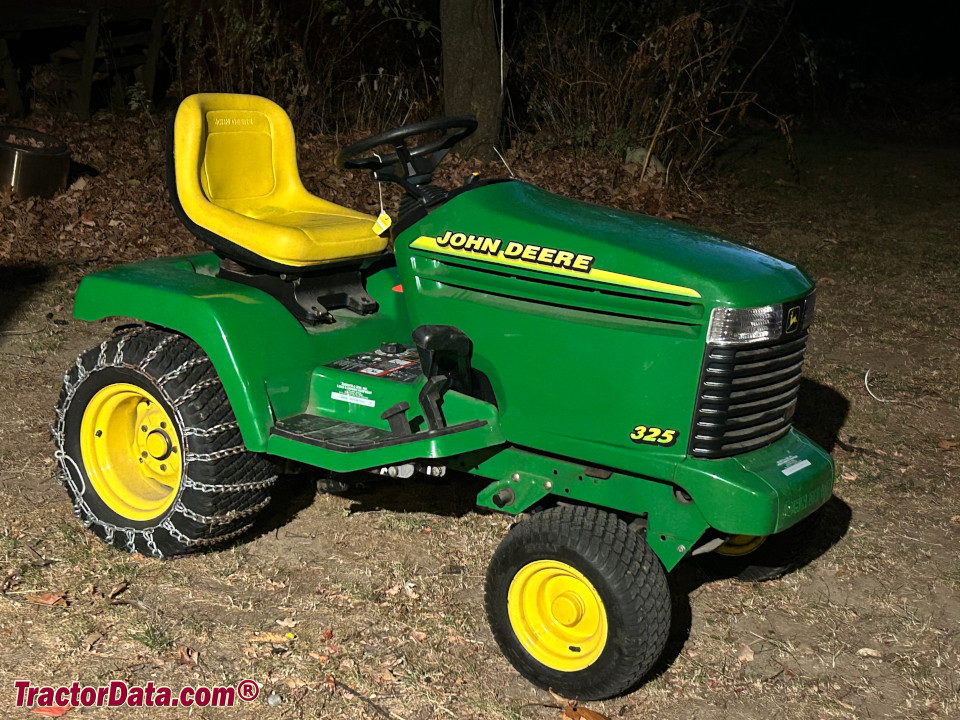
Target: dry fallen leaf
{"points": [[328, 634], [10, 581], [947, 444], [869, 652], [117, 589], [578, 713], [58, 599], [418, 636], [90, 640], [572, 711], [288, 622], [269, 637], [746, 653], [53, 711], [848, 475], [189, 657]]}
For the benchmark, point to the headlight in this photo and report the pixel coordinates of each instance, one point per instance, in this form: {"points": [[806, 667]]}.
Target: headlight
{"points": [[730, 326], [808, 307]]}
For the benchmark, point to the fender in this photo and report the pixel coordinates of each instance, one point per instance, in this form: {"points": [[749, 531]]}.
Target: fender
{"points": [[250, 337]]}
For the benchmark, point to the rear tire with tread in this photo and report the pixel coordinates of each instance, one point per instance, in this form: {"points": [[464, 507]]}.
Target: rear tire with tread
{"points": [[223, 485]]}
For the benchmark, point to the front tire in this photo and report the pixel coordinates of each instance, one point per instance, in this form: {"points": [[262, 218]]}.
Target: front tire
{"points": [[577, 602], [149, 448]]}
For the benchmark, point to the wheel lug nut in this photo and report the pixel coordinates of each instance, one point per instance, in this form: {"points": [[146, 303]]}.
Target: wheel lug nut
{"points": [[99, 433], [143, 454], [163, 467], [143, 428], [163, 424]]}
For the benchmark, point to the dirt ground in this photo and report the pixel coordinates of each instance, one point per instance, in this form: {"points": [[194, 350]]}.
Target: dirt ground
{"points": [[381, 588]]}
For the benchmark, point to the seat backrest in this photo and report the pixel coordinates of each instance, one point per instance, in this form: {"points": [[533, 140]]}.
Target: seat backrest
{"points": [[231, 150], [237, 155]]}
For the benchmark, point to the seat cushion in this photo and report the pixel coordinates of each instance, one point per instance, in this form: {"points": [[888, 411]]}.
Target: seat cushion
{"points": [[300, 237]]}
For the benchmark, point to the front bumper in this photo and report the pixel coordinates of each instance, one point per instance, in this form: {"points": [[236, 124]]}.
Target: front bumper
{"points": [[760, 492]]}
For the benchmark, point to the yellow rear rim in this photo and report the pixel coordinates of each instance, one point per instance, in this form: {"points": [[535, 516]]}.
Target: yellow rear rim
{"points": [[131, 451], [738, 545], [557, 615]]}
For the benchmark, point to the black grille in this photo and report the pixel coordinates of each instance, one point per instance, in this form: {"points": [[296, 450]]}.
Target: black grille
{"points": [[746, 397]]}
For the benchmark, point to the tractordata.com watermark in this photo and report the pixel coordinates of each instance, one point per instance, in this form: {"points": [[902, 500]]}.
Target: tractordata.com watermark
{"points": [[118, 693]]}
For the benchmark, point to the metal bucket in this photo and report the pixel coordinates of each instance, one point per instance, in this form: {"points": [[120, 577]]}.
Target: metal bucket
{"points": [[33, 163]]}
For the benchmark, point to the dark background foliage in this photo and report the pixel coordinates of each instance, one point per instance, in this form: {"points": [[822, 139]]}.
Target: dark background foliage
{"points": [[675, 76]]}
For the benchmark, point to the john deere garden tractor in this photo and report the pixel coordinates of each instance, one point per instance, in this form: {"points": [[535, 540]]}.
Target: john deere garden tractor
{"points": [[625, 382]]}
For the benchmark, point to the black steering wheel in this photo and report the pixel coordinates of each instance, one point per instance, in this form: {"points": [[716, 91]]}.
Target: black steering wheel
{"points": [[410, 167]]}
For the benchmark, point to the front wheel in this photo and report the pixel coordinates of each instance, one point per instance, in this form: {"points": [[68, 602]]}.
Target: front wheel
{"points": [[577, 602], [149, 448]]}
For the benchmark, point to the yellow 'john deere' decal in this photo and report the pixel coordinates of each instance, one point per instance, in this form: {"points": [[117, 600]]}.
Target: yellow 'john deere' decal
{"points": [[541, 258]]}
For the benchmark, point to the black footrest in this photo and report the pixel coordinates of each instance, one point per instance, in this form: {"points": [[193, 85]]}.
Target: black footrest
{"points": [[333, 434], [350, 437]]}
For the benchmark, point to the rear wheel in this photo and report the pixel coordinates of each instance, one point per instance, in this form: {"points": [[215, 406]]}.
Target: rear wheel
{"points": [[149, 448], [577, 602]]}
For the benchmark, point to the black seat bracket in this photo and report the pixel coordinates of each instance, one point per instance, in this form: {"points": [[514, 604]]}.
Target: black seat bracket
{"points": [[310, 297]]}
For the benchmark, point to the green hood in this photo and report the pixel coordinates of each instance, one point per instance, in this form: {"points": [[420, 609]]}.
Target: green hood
{"points": [[531, 230]]}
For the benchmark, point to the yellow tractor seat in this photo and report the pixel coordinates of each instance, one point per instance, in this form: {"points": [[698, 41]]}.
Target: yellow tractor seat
{"points": [[234, 184]]}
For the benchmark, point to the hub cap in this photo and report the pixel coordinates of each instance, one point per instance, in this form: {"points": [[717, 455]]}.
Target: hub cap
{"points": [[131, 451], [557, 615]]}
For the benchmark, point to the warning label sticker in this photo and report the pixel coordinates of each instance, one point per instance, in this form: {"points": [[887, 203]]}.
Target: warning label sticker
{"points": [[356, 394], [403, 366], [793, 464]]}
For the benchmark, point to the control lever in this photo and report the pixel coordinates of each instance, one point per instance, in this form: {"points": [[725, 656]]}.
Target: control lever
{"points": [[429, 397], [396, 417]]}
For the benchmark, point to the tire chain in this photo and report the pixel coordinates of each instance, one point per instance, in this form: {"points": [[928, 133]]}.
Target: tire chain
{"points": [[82, 510], [192, 362], [227, 517], [210, 432]]}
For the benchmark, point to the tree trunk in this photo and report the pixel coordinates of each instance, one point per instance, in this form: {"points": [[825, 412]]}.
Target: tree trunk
{"points": [[471, 70]]}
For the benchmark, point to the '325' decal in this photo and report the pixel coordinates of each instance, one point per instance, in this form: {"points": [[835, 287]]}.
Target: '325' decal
{"points": [[647, 435]]}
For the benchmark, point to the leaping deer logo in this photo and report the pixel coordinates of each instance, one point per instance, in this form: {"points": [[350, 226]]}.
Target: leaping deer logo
{"points": [[793, 319]]}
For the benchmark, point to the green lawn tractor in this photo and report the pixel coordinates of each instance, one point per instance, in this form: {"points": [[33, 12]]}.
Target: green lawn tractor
{"points": [[625, 382]]}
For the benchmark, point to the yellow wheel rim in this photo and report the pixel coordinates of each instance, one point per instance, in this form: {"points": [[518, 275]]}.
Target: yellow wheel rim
{"points": [[557, 615], [131, 451], [738, 545]]}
